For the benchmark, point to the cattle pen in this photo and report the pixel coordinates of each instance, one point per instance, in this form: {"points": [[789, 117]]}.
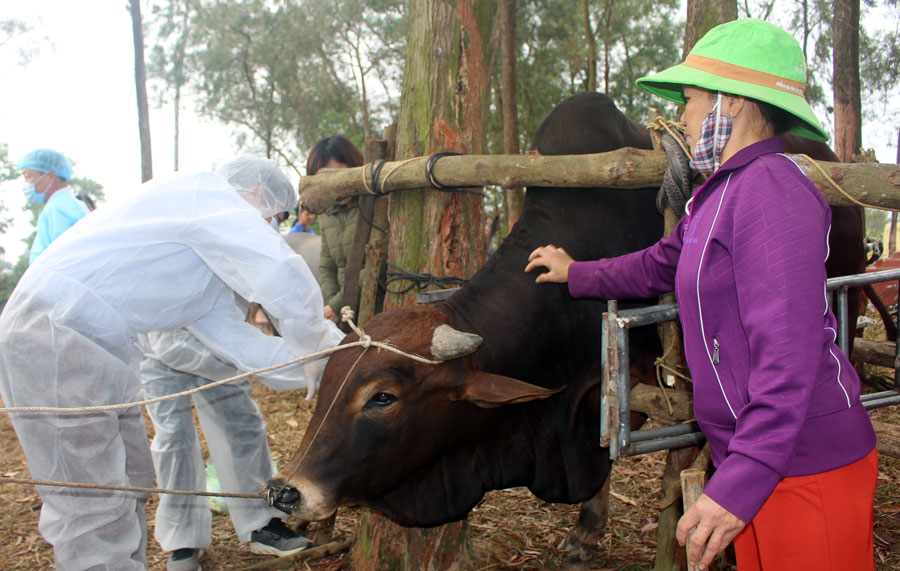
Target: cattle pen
{"points": [[872, 185]]}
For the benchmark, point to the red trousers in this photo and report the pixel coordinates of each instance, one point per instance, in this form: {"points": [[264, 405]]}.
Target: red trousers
{"points": [[821, 522]]}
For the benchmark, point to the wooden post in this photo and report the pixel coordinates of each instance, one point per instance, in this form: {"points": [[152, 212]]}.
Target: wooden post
{"points": [[692, 482], [376, 247], [375, 150]]}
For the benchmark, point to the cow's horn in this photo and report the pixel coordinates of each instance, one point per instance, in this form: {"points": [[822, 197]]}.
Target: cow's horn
{"points": [[448, 343]]}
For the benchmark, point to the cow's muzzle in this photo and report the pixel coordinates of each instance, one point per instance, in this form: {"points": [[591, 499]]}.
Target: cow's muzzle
{"points": [[281, 496]]}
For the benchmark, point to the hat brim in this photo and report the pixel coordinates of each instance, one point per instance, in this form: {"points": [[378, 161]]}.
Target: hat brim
{"points": [[668, 84]]}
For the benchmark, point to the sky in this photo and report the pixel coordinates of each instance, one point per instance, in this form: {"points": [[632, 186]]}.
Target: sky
{"points": [[77, 95]]}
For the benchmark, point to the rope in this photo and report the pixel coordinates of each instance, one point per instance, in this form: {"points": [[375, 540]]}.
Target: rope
{"points": [[673, 128], [837, 186], [81, 485], [420, 281], [365, 341]]}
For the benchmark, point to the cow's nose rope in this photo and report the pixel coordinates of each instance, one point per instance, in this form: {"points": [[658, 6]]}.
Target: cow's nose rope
{"points": [[365, 341]]}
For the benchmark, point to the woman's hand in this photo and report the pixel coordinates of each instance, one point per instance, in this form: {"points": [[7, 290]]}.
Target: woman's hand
{"points": [[329, 314], [716, 527], [556, 260]]}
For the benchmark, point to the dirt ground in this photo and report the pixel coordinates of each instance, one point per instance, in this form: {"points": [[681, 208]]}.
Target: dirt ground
{"points": [[511, 529]]}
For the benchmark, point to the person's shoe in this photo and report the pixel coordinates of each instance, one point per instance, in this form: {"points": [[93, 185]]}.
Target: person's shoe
{"points": [[277, 539], [185, 559]]}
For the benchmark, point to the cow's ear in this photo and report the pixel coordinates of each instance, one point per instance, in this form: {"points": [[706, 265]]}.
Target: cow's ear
{"points": [[488, 391]]}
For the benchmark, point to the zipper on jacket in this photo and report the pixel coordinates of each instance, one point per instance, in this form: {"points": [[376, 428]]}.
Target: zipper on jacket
{"points": [[715, 351]]}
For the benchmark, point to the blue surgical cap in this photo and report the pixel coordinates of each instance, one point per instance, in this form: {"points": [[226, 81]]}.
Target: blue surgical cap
{"points": [[44, 160]]}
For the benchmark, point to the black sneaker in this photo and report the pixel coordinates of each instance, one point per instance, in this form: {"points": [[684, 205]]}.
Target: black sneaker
{"points": [[185, 559], [277, 539]]}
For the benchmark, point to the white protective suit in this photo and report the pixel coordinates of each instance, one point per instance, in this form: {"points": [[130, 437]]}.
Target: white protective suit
{"points": [[172, 254], [235, 435]]}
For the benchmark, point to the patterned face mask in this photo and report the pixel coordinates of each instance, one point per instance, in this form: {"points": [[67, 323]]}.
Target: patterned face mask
{"points": [[714, 134]]}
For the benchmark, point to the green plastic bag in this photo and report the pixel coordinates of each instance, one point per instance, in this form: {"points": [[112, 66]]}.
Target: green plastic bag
{"points": [[217, 504]]}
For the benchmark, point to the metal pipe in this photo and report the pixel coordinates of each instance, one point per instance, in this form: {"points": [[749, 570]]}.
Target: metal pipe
{"points": [[876, 396], [873, 404], [624, 386], [648, 315], [692, 439], [862, 279], [664, 431], [842, 314]]}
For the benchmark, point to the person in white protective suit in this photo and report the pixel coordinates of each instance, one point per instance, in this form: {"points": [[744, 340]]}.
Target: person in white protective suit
{"points": [[172, 254], [175, 361]]}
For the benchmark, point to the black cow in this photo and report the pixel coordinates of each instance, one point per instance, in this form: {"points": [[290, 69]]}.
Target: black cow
{"points": [[423, 443]]}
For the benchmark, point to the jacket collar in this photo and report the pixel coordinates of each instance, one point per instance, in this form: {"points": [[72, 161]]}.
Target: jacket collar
{"points": [[737, 161], [742, 158]]}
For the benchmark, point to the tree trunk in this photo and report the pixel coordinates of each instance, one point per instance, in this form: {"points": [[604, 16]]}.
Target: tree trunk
{"points": [[515, 196], [442, 108], [140, 79], [591, 83], [703, 16], [847, 105]]}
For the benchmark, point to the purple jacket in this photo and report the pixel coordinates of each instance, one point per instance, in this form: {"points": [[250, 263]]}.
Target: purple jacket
{"points": [[773, 393]]}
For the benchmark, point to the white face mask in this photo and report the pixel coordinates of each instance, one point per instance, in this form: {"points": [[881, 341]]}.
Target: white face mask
{"points": [[274, 224], [31, 194]]}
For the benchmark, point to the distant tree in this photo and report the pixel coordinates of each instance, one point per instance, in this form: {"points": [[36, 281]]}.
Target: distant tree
{"points": [[8, 281], [168, 57], [284, 74], [633, 39], [140, 80], [21, 35], [8, 171]]}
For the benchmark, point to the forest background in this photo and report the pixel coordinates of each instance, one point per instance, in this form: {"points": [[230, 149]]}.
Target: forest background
{"points": [[226, 77]]}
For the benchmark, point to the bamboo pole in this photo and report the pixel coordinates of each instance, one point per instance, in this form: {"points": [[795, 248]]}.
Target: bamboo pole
{"points": [[877, 185]]}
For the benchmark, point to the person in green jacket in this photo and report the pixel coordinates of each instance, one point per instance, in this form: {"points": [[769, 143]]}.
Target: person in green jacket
{"points": [[337, 224]]}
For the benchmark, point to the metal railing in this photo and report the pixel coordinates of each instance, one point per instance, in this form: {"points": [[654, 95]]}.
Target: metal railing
{"points": [[616, 396]]}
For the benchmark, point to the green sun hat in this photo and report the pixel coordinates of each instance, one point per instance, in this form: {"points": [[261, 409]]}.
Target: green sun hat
{"points": [[746, 57]]}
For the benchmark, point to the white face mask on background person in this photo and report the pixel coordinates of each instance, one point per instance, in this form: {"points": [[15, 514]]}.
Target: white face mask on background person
{"points": [[31, 193]]}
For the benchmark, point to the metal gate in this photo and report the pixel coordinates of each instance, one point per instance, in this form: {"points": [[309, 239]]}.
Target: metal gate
{"points": [[616, 400]]}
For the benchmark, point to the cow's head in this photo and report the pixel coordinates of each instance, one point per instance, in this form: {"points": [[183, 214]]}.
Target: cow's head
{"points": [[396, 434]]}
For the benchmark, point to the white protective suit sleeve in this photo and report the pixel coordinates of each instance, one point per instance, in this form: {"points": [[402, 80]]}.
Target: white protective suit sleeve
{"points": [[225, 330], [179, 350]]}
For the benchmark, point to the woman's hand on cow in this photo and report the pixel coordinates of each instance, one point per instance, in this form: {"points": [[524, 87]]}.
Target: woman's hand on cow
{"points": [[330, 314], [556, 260], [716, 527]]}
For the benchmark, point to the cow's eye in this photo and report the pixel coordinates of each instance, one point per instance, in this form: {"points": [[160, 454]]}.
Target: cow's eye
{"points": [[382, 399]]}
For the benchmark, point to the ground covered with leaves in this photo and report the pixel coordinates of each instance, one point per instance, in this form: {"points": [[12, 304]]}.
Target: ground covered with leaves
{"points": [[511, 529]]}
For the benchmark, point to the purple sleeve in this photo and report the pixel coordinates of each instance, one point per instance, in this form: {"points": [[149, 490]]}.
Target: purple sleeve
{"points": [[779, 246], [646, 273]]}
